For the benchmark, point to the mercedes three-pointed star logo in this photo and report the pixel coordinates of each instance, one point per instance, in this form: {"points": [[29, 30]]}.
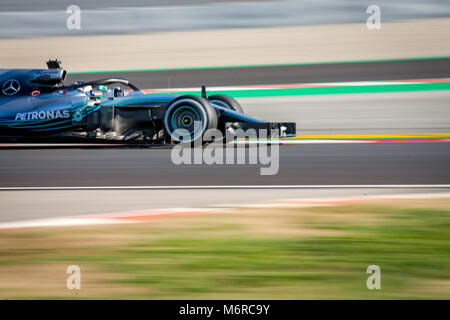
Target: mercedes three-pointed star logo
{"points": [[10, 87]]}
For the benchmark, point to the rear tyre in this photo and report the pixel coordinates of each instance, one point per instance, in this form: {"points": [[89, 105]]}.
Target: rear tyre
{"points": [[188, 118], [225, 101]]}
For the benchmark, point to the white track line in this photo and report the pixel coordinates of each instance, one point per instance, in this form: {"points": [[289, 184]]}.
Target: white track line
{"points": [[299, 186], [108, 218], [58, 222], [274, 141]]}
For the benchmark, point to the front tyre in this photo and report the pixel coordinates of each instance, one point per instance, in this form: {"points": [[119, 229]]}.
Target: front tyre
{"points": [[188, 118]]}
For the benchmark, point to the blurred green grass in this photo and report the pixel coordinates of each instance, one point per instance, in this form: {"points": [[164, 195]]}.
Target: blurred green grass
{"points": [[213, 257]]}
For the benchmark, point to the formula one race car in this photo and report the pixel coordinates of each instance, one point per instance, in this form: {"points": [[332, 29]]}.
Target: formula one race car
{"points": [[35, 105]]}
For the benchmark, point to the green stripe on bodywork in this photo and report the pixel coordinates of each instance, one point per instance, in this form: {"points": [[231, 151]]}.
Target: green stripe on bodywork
{"points": [[261, 65], [324, 90]]}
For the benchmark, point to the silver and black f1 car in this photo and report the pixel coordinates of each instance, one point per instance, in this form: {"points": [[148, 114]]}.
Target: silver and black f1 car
{"points": [[36, 105]]}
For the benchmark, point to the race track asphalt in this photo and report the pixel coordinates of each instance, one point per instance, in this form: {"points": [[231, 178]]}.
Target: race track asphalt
{"points": [[321, 164]]}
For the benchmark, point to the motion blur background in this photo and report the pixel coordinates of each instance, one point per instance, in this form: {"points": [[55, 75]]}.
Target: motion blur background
{"points": [[314, 62], [167, 34]]}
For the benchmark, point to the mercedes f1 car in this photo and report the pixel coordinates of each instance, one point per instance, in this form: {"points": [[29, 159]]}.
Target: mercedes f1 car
{"points": [[36, 105]]}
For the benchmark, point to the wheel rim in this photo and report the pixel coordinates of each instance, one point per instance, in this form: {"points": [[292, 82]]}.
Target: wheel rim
{"points": [[185, 117], [186, 114]]}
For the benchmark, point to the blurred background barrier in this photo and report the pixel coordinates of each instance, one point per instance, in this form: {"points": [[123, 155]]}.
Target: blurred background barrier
{"points": [[230, 47], [26, 18]]}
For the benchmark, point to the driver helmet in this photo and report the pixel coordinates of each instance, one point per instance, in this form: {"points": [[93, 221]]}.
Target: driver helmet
{"points": [[118, 92]]}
